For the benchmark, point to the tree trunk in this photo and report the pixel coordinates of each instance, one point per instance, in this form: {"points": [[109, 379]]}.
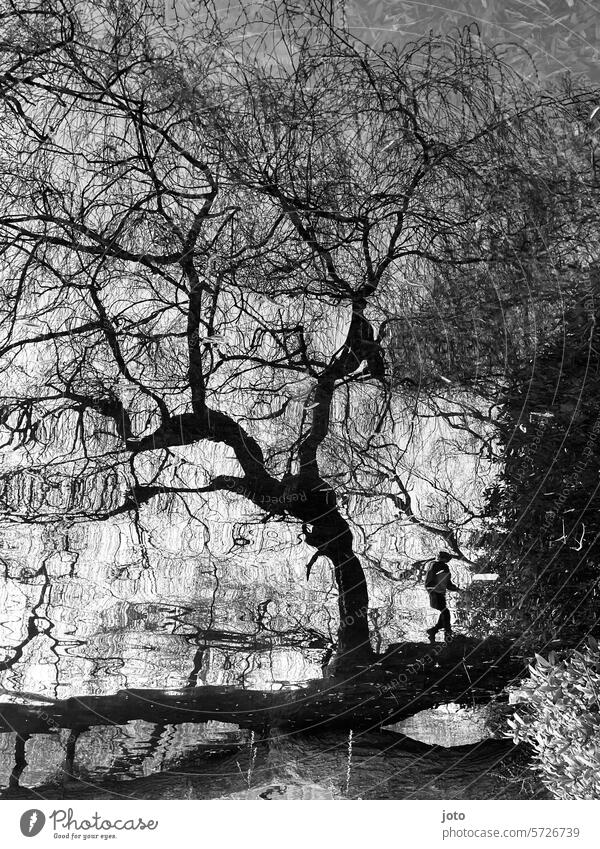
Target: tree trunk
{"points": [[353, 644], [309, 498], [410, 678]]}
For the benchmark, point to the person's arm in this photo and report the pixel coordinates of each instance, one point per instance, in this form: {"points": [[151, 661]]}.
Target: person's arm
{"points": [[452, 587], [430, 578]]}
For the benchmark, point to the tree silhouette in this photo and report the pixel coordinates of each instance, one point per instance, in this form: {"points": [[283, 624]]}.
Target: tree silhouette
{"points": [[206, 228]]}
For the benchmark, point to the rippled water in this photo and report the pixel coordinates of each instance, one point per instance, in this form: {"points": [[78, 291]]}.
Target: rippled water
{"points": [[91, 611], [216, 761]]}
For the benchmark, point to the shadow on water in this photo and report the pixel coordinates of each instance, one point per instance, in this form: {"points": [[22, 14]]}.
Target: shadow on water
{"points": [[92, 627], [443, 753], [219, 761]]}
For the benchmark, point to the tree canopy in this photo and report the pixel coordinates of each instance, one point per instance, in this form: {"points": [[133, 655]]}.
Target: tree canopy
{"points": [[228, 244]]}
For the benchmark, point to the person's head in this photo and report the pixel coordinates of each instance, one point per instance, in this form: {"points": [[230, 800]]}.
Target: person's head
{"points": [[444, 556]]}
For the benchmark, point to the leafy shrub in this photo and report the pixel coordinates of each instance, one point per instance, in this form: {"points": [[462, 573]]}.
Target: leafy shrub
{"points": [[561, 722]]}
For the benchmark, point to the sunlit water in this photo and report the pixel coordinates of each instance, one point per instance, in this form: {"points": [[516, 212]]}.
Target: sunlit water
{"points": [[93, 611], [89, 611]]}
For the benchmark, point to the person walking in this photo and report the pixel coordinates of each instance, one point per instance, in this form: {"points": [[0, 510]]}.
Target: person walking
{"points": [[438, 582]]}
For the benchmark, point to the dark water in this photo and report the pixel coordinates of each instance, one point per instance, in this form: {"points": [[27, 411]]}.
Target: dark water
{"points": [[92, 610], [212, 761]]}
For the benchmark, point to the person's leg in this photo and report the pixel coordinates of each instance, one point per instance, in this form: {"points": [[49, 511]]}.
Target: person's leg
{"points": [[444, 621], [438, 602], [434, 602]]}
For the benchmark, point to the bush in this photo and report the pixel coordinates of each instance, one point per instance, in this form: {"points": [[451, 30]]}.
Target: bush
{"points": [[561, 722]]}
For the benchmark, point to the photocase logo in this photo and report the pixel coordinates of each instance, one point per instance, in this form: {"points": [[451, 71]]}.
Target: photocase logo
{"points": [[32, 822]]}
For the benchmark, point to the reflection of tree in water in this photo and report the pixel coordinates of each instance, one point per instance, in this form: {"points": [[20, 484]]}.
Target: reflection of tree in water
{"points": [[162, 764], [232, 339], [37, 622], [261, 345]]}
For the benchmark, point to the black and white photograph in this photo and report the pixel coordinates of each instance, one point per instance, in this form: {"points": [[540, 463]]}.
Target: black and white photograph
{"points": [[299, 406]]}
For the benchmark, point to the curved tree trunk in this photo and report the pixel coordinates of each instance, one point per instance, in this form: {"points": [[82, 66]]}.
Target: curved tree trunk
{"points": [[410, 678], [353, 644], [309, 498]]}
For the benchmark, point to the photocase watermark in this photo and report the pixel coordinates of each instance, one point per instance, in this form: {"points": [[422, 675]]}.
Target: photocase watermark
{"points": [[288, 498], [573, 478], [32, 822], [349, 621], [236, 486], [413, 668], [64, 819], [527, 462], [66, 826]]}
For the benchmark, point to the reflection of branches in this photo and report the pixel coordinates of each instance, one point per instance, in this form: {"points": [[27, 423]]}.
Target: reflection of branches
{"points": [[32, 629], [403, 502], [206, 254], [192, 680]]}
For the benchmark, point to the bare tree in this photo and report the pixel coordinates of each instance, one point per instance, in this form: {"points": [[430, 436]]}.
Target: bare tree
{"points": [[205, 228]]}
